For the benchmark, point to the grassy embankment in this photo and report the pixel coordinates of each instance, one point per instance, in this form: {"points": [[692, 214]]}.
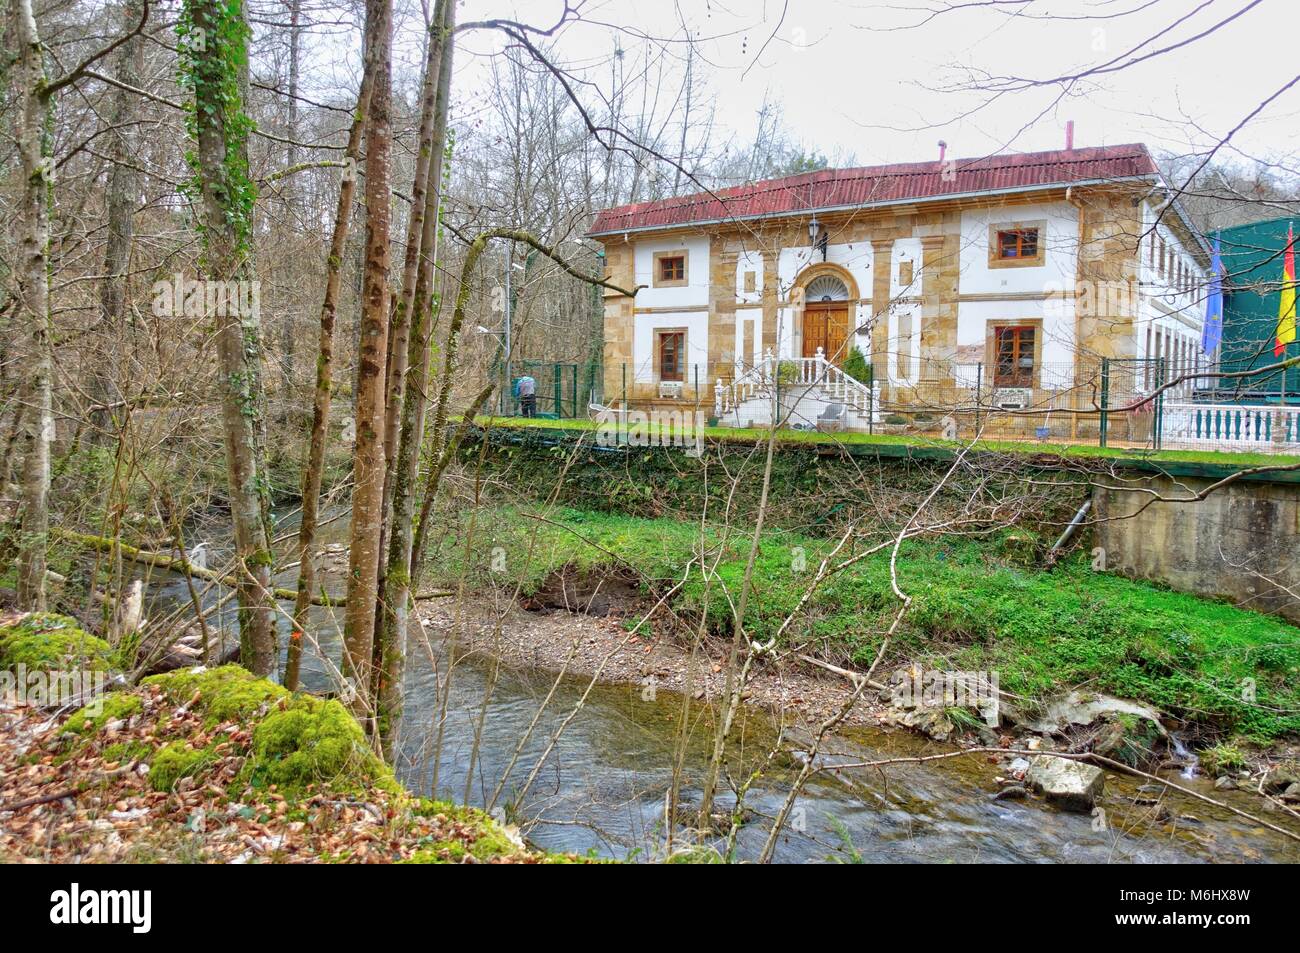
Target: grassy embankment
{"points": [[979, 604], [737, 435]]}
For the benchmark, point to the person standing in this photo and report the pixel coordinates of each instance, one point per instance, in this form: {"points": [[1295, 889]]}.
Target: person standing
{"points": [[528, 396]]}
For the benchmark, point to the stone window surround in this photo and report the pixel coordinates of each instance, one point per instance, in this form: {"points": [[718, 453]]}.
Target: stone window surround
{"points": [[991, 346], [1037, 260], [657, 352], [681, 253]]}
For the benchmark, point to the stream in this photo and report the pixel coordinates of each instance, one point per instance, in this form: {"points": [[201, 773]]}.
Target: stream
{"points": [[602, 789]]}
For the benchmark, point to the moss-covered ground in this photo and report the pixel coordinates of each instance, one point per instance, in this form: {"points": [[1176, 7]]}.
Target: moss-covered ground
{"points": [[45, 641]]}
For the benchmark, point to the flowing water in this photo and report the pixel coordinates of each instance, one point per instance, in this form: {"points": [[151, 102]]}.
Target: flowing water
{"points": [[602, 788]]}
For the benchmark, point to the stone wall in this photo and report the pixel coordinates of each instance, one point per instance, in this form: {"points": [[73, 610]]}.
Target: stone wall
{"points": [[1220, 546]]}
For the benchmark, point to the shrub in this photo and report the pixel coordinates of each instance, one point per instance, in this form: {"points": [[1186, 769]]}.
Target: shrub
{"points": [[856, 366]]}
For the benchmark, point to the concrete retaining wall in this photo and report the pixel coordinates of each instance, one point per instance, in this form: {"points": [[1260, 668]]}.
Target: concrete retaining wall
{"points": [[1220, 546]]}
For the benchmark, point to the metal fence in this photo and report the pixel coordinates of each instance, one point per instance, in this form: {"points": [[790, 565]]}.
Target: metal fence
{"points": [[556, 389], [1139, 404]]}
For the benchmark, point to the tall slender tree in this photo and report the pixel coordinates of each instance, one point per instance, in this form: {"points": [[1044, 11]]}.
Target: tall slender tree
{"points": [[35, 169], [400, 330], [368, 455], [214, 65], [123, 188], [35, 95], [313, 472], [404, 474]]}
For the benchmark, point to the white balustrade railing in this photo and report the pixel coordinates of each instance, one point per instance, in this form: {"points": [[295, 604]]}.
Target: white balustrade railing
{"points": [[1232, 426]]}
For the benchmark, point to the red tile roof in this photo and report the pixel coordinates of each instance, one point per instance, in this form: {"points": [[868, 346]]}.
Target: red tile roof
{"points": [[910, 181]]}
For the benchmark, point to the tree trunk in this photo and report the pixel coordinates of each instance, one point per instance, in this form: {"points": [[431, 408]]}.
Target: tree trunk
{"points": [[368, 456], [399, 330], [312, 473], [405, 470], [123, 189], [217, 69], [288, 343], [36, 432]]}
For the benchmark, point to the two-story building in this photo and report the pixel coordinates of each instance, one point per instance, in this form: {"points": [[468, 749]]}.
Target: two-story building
{"points": [[965, 284]]}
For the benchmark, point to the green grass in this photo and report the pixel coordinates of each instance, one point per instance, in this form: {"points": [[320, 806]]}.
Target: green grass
{"points": [[978, 604], [741, 435]]}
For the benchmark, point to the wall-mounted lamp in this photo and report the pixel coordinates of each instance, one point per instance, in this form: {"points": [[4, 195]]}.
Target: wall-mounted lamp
{"points": [[817, 236]]}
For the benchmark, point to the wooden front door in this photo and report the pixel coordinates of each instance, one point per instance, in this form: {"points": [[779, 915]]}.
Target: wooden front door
{"points": [[826, 326]]}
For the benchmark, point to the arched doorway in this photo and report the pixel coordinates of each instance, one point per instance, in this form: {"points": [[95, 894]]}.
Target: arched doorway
{"points": [[827, 298]]}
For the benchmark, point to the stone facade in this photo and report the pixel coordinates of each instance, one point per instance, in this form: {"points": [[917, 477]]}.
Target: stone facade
{"points": [[925, 293]]}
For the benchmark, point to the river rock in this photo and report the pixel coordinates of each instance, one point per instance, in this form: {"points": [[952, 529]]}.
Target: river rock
{"points": [[1084, 708], [1011, 792], [1071, 785], [1225, 784], [1282, 777], [930, 721]]}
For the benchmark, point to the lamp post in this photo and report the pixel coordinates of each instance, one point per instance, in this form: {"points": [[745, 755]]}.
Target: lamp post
{"points": [[510, 265], [500, 336]]}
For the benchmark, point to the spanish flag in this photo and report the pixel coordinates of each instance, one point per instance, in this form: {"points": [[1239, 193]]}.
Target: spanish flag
{"points": [[1286, 308]]}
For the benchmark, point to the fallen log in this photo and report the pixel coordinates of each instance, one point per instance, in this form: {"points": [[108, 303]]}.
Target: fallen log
{"points": [[185, 567]]}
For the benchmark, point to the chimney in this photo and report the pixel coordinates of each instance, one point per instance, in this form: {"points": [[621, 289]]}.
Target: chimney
{"points": [[1069, 136], [943, 149]]}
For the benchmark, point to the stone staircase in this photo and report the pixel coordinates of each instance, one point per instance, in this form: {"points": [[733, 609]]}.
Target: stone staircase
{"points": [[807, 385]]}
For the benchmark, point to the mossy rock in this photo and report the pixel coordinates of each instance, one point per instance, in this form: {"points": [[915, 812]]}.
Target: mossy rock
{"points": [[297, 740], [178, 760], [491, 839], [115, 707], [46, 641], [228, 693], [310, 740]]}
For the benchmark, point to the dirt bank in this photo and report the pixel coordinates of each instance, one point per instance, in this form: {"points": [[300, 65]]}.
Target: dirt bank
{"points": [[583, 645]]}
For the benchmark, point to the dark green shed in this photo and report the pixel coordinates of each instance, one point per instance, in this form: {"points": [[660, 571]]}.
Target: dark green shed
{"points": [[1252, 260]]}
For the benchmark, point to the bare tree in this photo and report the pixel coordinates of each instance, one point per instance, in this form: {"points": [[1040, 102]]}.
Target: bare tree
{"points": [[368, 460]]}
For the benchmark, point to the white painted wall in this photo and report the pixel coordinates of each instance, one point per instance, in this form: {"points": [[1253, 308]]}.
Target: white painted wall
{"points": [[1060, 263], [905, 249], [749, 261], [1170, 318], [696, 324], [904, 336], [695, 293], [975, 317], [749, 333]]}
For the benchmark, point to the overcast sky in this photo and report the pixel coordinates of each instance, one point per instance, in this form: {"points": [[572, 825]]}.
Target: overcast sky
{"points": [[851, 83]]}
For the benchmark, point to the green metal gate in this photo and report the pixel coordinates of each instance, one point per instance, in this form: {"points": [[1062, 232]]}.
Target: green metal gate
{"points": [[1127, 416], [557, 388]]}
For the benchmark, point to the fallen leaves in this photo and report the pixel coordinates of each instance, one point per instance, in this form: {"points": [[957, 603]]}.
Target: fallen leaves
{"points": [[89, 799]]}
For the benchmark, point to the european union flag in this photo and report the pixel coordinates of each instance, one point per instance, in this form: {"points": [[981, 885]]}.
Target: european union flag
{"points": [[1212, 332]]}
